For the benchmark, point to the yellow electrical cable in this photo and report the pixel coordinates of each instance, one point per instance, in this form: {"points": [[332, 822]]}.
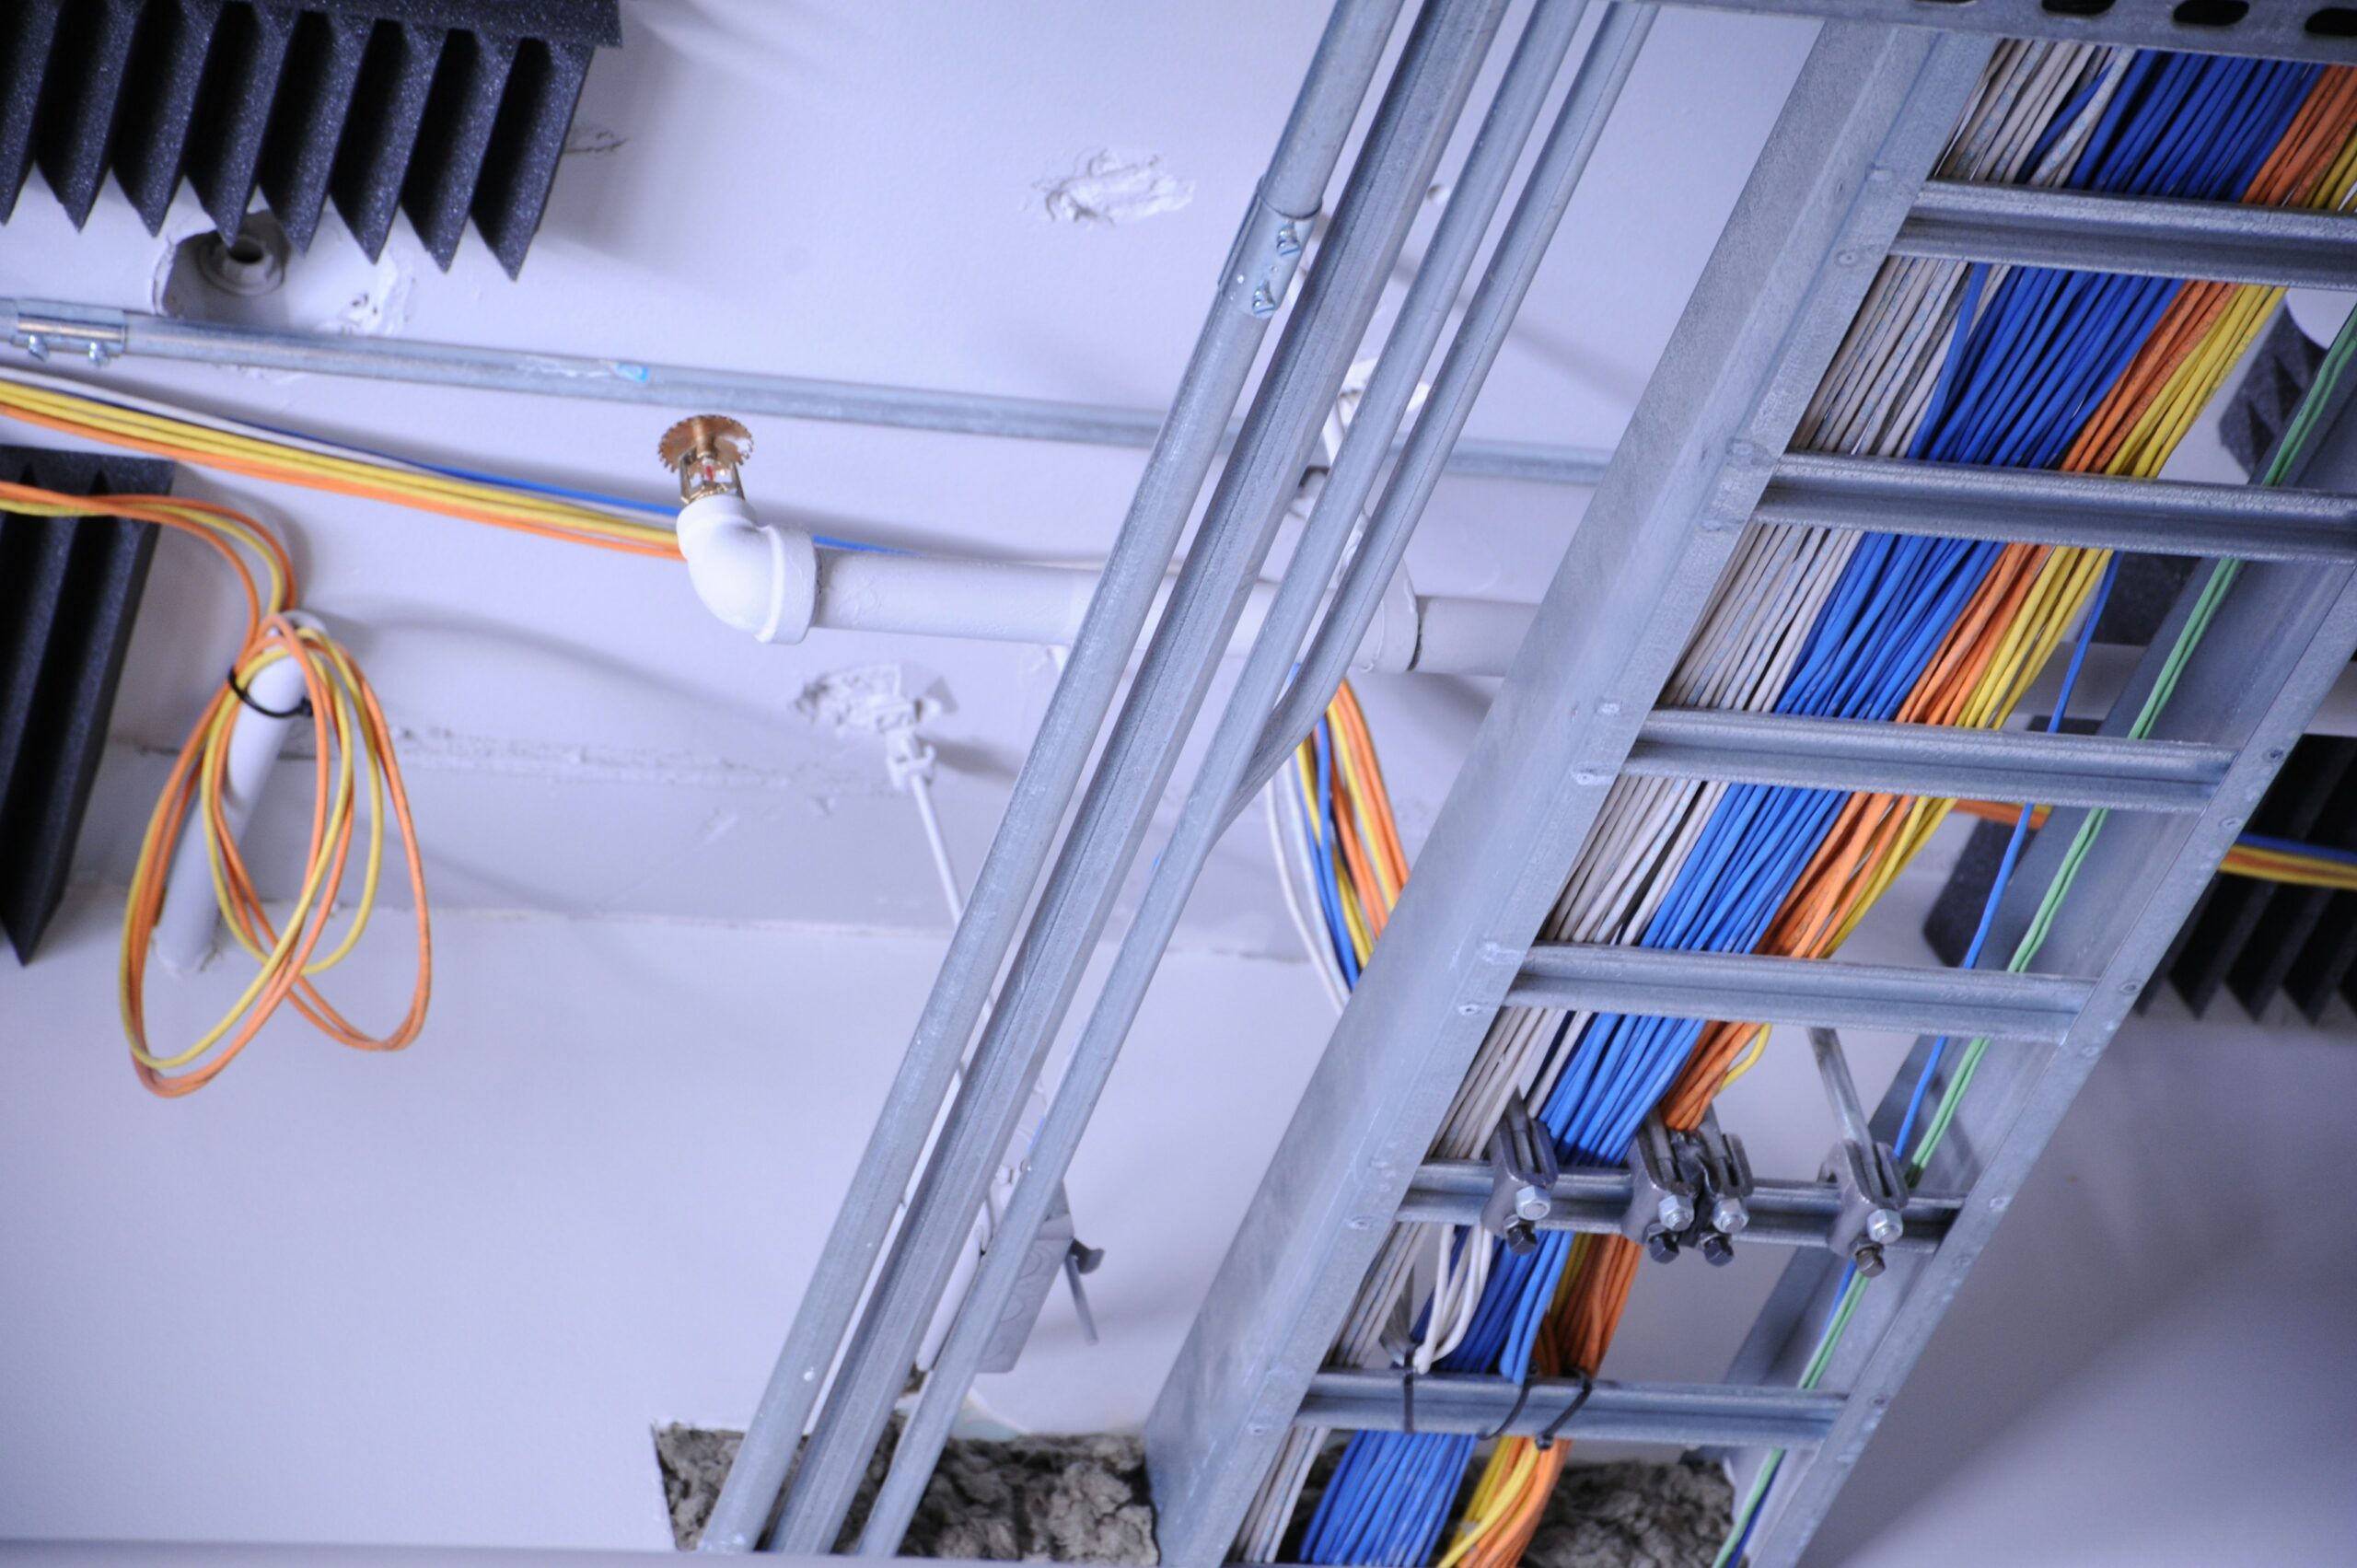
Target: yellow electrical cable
{"points": [[1749, 1056], [2069, 575], [201, 446], [106, 417], [353, 732]]}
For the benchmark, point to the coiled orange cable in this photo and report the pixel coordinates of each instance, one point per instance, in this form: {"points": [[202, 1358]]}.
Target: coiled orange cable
{"points": [[352, 734]]}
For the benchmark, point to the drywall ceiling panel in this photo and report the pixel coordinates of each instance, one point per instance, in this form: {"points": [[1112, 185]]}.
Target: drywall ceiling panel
{"points": [[862, 191]]}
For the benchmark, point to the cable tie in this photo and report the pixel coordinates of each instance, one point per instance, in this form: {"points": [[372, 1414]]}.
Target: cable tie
{"points": [[299, 710], [1521, 1394], [1407, 1398], [1546, 1438]]}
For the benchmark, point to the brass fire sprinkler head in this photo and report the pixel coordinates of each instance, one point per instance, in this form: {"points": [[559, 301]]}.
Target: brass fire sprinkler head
{"points": [[706, 451]]}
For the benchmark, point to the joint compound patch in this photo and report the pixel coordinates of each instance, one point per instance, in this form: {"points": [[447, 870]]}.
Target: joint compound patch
{"points": [[871, 699], [1113, 186]]}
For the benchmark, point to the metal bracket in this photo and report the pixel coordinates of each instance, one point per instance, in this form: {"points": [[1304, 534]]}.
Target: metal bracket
{"points": [[1687, 1189], [1661, 1194], [1522, 1160], [1081, 1260], [1267, 253], [1874, 1195], [42, 327], [1048, 1255], [1725, 1171]]}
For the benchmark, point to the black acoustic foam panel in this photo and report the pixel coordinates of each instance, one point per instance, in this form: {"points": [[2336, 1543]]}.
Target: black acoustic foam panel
{"points": [[2252, 940], [445, 109], [69, 589]]}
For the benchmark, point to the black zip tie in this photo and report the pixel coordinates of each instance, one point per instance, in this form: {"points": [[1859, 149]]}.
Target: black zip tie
{"points": [[1546, 1438], [298, 711], [1521, 1394], [1408, 1401]]}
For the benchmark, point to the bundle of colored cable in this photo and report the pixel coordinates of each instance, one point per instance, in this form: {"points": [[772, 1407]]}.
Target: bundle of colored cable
{"points": [[2140, 421], [355, 747], [1742, 658], [1344, 815], [1952, 633], [1916, 1154], [232, 447], [2205, 329], [2259, 857]]}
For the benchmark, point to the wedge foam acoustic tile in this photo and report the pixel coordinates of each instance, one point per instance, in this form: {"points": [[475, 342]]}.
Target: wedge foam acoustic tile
{"points": [[2254, 941], [69, 589], [445, 109]]}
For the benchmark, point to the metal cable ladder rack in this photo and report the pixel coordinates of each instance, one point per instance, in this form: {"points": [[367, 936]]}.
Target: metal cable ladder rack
{"points": [[1849, 157], [1841, 185]]}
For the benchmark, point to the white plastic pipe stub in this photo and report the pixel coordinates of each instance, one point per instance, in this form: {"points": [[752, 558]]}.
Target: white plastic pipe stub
{"points": [[191, 919], [759, 579]]}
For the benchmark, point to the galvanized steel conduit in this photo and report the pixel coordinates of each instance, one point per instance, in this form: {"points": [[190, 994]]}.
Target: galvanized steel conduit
{"points": [[1394, 170], [1183, 452]]}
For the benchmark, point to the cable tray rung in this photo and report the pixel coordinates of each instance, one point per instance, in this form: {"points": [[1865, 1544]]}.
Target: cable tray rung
{"points": [[1746, 987], [1689, 1414], [1938, 761]]}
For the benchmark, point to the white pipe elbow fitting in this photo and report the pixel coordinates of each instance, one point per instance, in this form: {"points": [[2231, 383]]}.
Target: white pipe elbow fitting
{"points": [[759, 579]]}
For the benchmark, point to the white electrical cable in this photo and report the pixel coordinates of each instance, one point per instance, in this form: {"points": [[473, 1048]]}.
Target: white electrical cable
{"points": [[921, 790], [1290, 852], [1871, 401]]}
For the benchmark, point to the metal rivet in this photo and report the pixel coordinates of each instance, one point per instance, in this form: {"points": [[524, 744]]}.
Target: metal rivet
{"points": [[1608, 707], [1263, 305], [2275, 753], [2232, 824], [1743, 451], [1846, 258], [1997, 1204], [1469, 1009], [36, 345], [2130, 987], [1361, 1222]]}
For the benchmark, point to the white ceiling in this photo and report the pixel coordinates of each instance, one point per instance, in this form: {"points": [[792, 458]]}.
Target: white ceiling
{"points": [[851, 190]]}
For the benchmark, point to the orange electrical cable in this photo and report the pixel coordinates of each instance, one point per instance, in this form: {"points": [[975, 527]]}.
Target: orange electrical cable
{"points": [[351, 724], [1868, 830], [1373, 909], [1354, 725], [341, 487], [328, 851]]}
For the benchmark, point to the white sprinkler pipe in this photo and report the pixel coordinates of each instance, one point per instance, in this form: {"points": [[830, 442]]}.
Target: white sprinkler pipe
{"points": [[190, 917], [773, 583]]}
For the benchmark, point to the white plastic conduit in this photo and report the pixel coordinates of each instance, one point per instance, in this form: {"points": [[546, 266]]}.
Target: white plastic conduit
{"points": [[753, 576], [191, 912]]}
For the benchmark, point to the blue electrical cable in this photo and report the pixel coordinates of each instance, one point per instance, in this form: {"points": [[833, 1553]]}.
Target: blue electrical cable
{"points": [[500, 481], [2228, 155], [2020, 836], [1320, 829], [2294, 846], [2032, 355]]}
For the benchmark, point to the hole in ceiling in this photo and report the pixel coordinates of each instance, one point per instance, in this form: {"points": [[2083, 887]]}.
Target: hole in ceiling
{"points": [[251, 262], [2333, 21], [256, 278], [2209, 13], [2076, 7]]}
